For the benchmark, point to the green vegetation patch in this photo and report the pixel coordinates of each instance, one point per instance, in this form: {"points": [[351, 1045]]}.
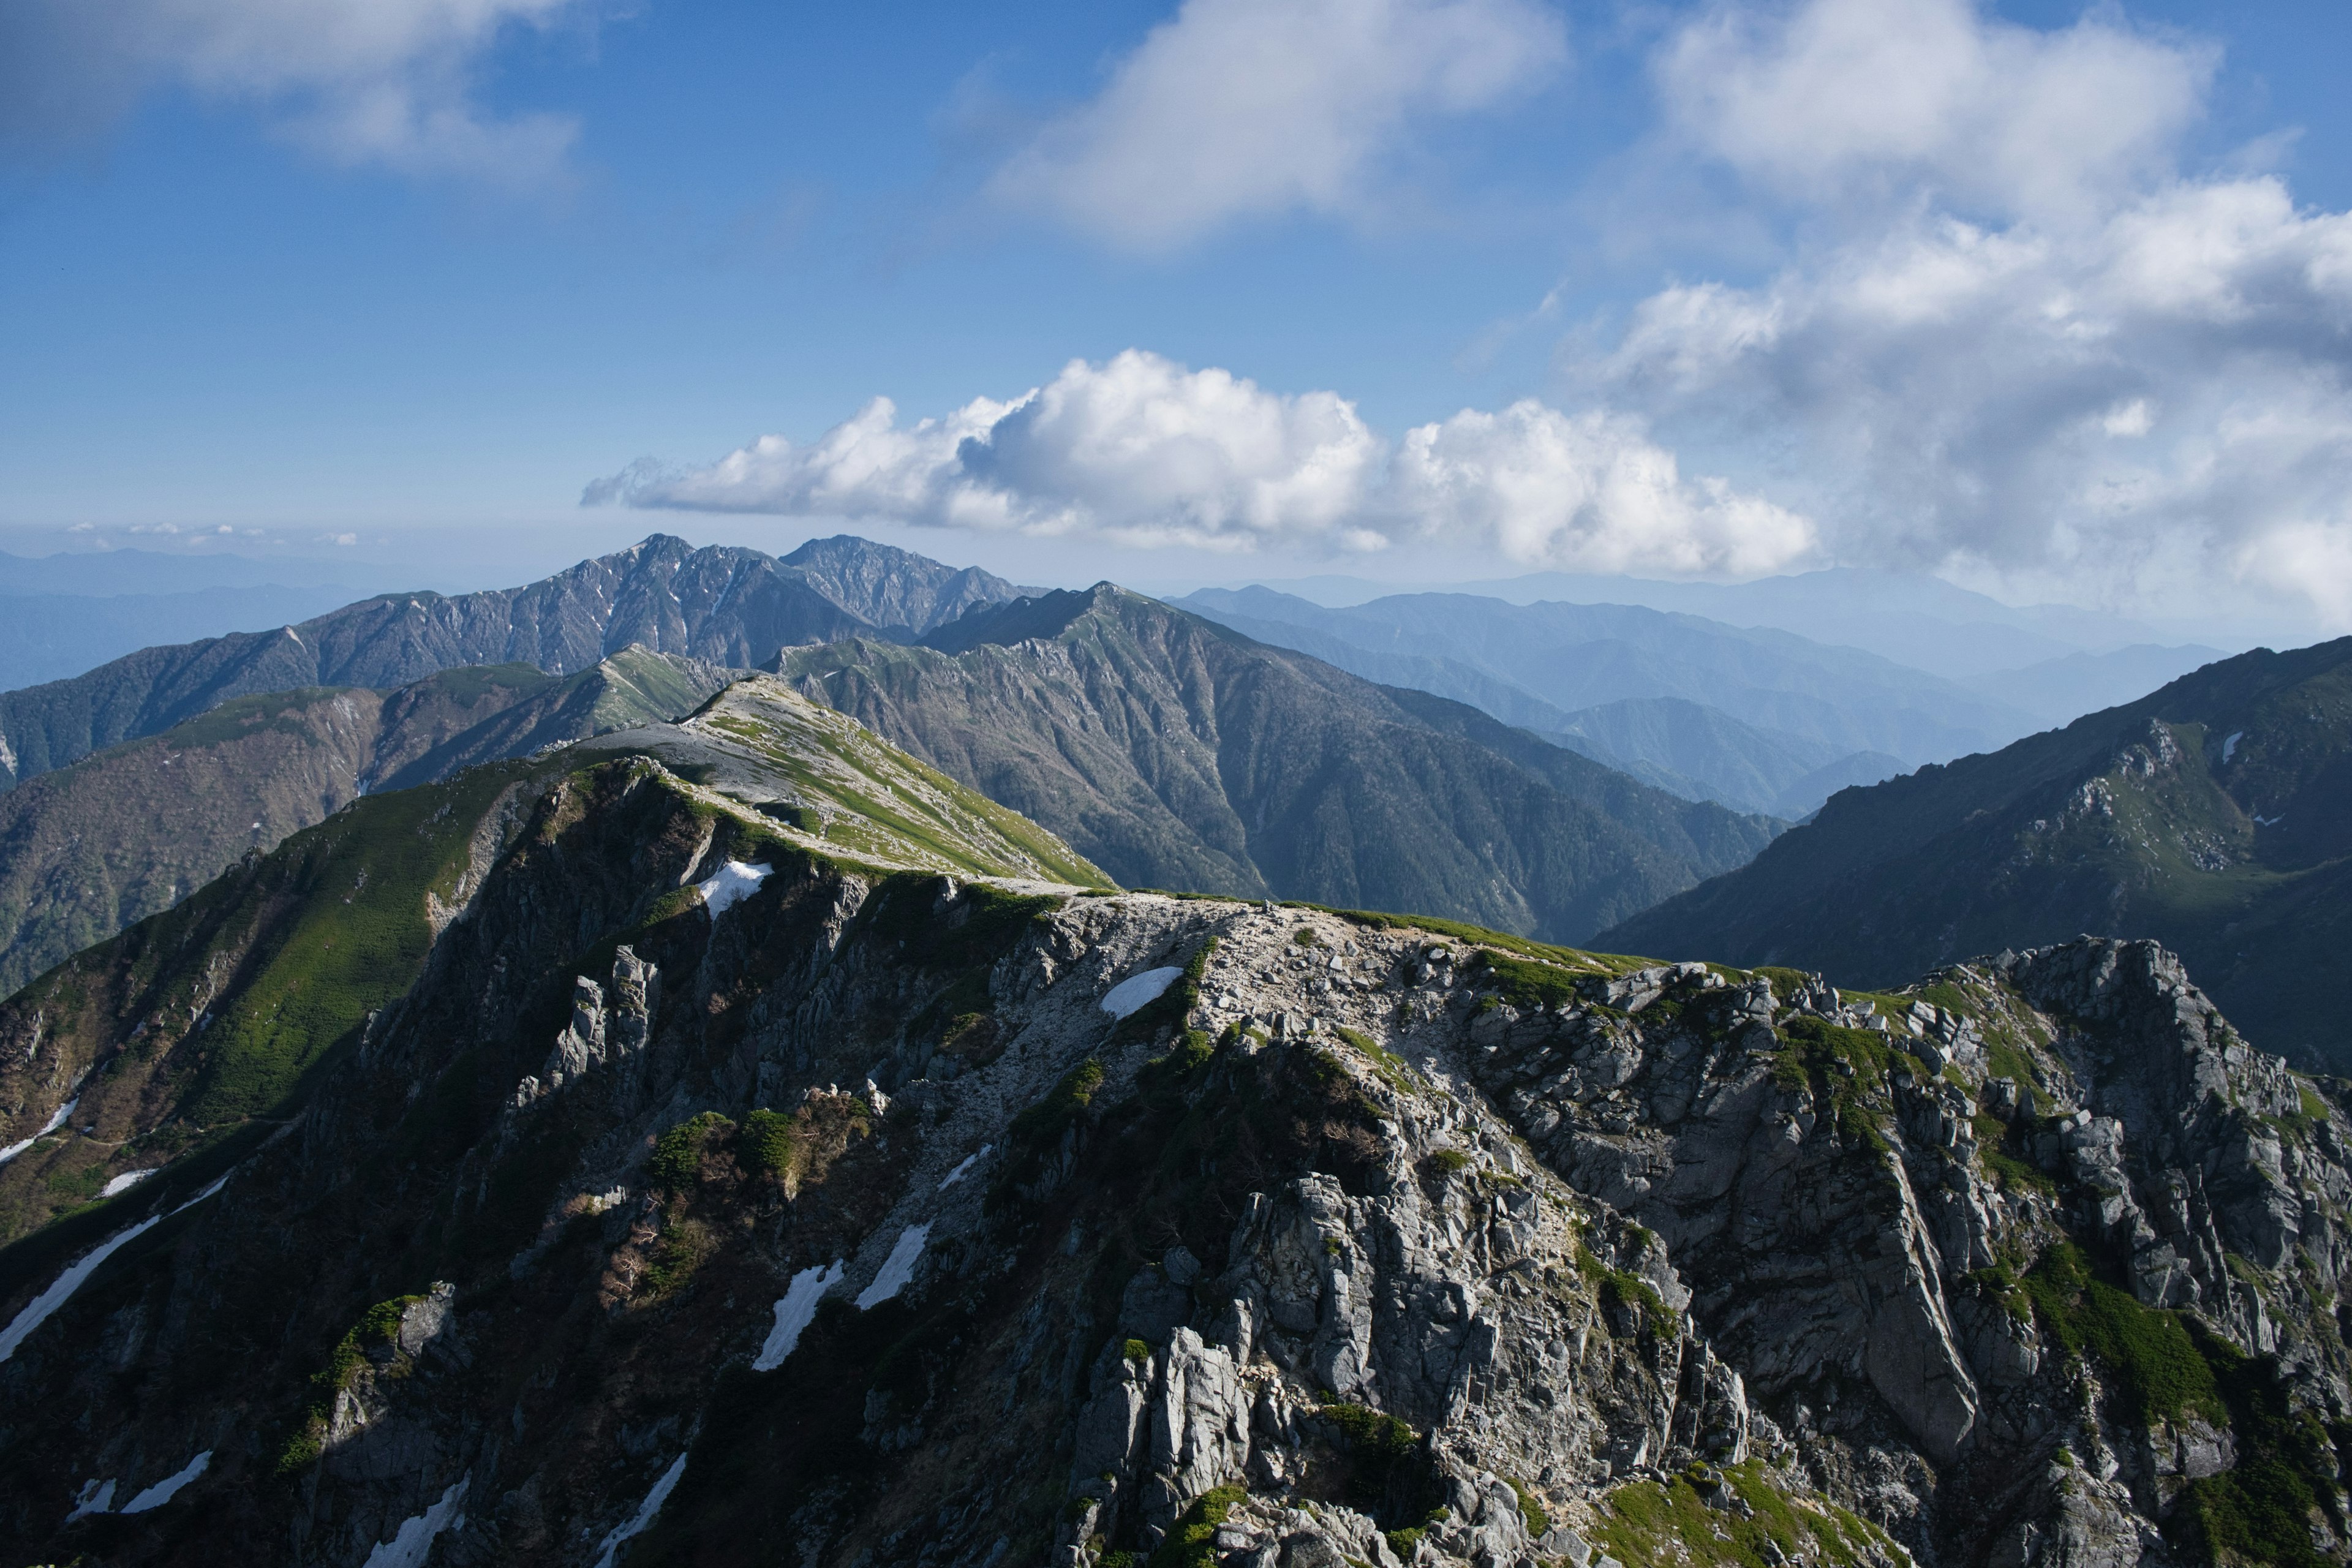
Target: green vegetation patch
{"points": [[379, 1325], [347, 934], [2260, 1510], [2157, 1365], [676, 1162], [1193, 1543], [1621, 1289], [1653, 1524], [1390, 1066], [1481, 936], [1847, 1067], [1536, 987]]}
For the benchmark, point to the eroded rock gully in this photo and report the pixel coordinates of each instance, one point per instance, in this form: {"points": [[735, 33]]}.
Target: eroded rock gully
{"points": [[1362, 1244]]}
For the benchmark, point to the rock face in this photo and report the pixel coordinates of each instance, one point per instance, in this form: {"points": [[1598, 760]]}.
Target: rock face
{"points": [[723, 605], [2214, 814], [1364, 1244], [1174, 753]]}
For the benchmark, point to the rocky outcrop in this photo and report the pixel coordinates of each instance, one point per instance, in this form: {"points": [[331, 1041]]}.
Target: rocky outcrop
{"points": [[1360, 1244]]}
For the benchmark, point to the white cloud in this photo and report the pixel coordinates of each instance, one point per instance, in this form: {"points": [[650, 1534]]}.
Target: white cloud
{"points": [[1239, 108], [2014, 342], [359, 81], [2134, 407], [1143, 451], [1588, 493], [1847, 97]]}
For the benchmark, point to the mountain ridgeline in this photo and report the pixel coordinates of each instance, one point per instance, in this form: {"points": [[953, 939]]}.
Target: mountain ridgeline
{"points": [[1176, 752], [718, 605], [733, 1143], [124, 834], [2214, 815]]}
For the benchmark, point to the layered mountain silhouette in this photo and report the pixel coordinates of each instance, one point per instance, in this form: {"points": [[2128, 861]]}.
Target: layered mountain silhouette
{"points": [[2214, 815], [127, 833], [1176, 752], [720, 604]]}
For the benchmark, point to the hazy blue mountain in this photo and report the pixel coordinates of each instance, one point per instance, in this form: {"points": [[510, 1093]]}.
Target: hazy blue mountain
{"points": [[1703, 753], [49, 637], [1920, 621], [2060, 690], [1576, 657]]}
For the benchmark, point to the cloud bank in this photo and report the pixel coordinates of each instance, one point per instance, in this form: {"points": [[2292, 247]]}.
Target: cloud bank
{"points": [[1143, 451], [2018, 340], [1238, 109], [378, 82]]}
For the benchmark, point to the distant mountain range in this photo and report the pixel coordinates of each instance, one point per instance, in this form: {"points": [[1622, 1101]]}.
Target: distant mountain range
{"points": [[2214, 815], [1787, 720], [1175, 753], [725, 605], [51, 636], [88, 849]]}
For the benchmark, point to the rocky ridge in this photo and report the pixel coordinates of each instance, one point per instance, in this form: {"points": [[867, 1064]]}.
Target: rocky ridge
{"points": [[720, 605], [892, 1216]]}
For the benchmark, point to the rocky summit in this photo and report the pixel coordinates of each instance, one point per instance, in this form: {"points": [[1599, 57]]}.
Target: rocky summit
{"points": [[712, 1179]]}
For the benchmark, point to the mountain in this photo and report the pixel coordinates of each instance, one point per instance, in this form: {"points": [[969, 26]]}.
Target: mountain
{"points": [[122, 835], [50, 637], [1577, 656], [2214, 815], [723, 605], [1175, 753], [2060, 690], [1919, 621], [618, 1175], [1703, 753], [213, 1012]]}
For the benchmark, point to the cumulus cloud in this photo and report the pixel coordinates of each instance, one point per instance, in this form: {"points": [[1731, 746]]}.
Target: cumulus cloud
{"points": [[2073, 368], [1880, 96], [1588, 492], [383, 82], [1145, 451], [1237, 109]]}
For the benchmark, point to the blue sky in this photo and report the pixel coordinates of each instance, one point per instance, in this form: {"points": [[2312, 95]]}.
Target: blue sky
{"points": [[2055, 302]]}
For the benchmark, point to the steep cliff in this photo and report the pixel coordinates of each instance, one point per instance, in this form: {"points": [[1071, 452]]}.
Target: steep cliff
{"points": [[708, 1193]]}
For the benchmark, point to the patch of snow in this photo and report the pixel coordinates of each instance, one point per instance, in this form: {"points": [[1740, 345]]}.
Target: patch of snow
{"points": [[896, 1269], [729, 884], [408, 1547], [167, 1489], [57, 1119], [125, 1182], [959, 1173], [95, 1496], [2268, 821], [644, 1514], [2231, 744], [795, 1311], [1136, 990], [36, 1311]]}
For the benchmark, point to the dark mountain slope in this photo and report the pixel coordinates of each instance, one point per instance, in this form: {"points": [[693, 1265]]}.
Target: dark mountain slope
{"points": [[836, 1217], [2214, 815], [88, 849], [1175, 753], [724, 606]]}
